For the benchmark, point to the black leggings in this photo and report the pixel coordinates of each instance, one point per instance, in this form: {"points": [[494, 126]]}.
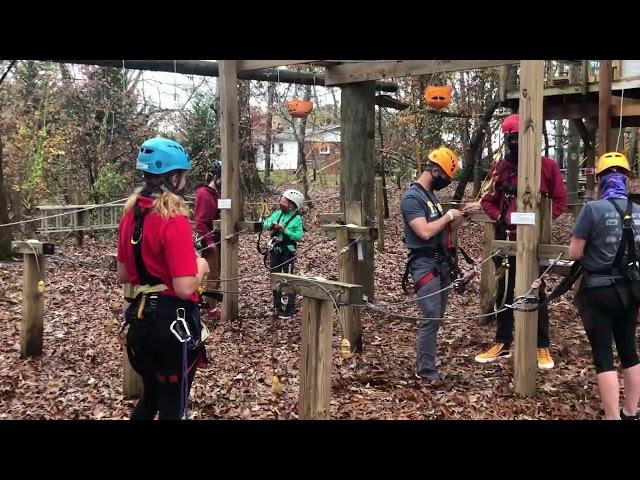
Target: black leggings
{"points": [[610, 320], [162, 398]]}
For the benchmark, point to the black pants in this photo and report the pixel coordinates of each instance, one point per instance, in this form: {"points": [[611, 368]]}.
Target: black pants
{"points": [[610, 320], [282, 262], [504, 320], [153, 350], [162, 398]]}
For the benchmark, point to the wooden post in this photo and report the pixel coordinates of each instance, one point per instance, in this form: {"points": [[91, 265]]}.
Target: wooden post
{"points": [[358, 165], [32, 299], [545, 220], [317, 321], [315, 369], [132, 386], [351, 323], [487, 274], [380, 213], [604, 122], [529, 165], [230, 154]]}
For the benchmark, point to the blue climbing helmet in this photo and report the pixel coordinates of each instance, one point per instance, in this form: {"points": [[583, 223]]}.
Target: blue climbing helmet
{"points": [[161, 155]]}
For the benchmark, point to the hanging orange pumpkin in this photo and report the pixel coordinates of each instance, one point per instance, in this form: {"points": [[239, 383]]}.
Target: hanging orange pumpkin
{"points": [[299, 108], [438, 96]]}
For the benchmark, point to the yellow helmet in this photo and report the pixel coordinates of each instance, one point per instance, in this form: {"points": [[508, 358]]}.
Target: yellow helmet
{"points": [[446, 159], [612, 159]]}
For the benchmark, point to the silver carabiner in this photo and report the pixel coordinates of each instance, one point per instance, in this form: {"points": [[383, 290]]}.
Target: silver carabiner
{"points": [[180, 321]]}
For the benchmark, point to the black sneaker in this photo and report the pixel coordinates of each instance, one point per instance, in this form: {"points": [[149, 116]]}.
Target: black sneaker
{"points": [[628, 417]]}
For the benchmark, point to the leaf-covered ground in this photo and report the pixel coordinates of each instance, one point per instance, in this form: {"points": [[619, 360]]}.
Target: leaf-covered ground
{"points": [[79, 374]]}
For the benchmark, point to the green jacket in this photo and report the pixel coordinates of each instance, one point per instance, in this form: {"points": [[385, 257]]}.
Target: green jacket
{"points": [[293, 231]]}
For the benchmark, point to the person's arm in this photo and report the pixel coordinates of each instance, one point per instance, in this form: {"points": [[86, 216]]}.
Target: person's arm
{"points": [[490, 203], [576, 248], [203, 214], [414, 215], [266, 225], [580, 233], [186, 270], [294, 230], [123, 276], [558, 191]]}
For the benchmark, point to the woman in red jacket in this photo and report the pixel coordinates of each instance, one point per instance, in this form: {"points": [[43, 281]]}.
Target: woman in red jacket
{"points": [[499, 205], [156, 255], [206, 211]]}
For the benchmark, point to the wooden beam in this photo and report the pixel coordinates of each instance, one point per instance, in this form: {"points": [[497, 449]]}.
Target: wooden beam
{"points": [[487, 274], [230, 152], [337, 217], [544, 250], [315, 360], [380, 212], [32, 301], [545, 221], [355, 232], [604, 109], [360, 72], [32, 247], [528, 201], [320, 289], [618, 85], [208, 68], [357, 171], [247, 65], [132, 386], [347, 265]]}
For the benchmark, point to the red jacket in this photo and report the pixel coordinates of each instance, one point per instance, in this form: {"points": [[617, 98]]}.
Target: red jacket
{"points": [[206, 211], [506, 173]]}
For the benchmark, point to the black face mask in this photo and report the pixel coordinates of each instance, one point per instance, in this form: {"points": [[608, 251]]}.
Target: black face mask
{"points": [[512, 153], [438, 183]]}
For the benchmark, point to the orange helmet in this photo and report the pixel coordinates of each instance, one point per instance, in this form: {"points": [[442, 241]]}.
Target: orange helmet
{"points": [[445, 159]]}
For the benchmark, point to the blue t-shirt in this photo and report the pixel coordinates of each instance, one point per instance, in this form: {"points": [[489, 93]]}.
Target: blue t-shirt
{"points": [[418, 203], [601, 226]]}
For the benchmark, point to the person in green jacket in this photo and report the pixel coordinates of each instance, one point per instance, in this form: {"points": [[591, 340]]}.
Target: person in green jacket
{"points": [[285, 225]]}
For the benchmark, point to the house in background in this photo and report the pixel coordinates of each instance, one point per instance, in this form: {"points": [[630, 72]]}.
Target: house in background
{"points": [[321, 148]]}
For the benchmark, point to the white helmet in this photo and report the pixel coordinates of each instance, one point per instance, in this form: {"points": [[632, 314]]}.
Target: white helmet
{"points": [[295, 196]]}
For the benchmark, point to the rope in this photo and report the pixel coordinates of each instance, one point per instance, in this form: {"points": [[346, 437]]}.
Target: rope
{"points": [[451, 285], [409, 317], [228, 237], [92, 207]]}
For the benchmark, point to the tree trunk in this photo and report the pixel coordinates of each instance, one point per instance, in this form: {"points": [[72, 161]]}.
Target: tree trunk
{"points": [[250, 179], [546, 138], [5, 232], [474, 146], [302, 161], [271, 95], [573, 163], [382, 172], [560, 143]]}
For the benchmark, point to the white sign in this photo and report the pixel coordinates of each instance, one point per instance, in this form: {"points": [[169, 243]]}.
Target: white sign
{"points": [[522, 218], [224, 203], [360, 251]]}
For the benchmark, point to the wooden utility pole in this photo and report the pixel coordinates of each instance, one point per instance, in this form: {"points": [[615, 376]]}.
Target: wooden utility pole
{"points": [[529, 166]]}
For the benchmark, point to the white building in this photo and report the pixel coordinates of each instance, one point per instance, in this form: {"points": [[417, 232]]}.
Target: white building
{"points": [[284, 147]]}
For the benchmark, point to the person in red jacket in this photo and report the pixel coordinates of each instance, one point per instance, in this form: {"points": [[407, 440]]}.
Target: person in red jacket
{"points": [[206, 211], [499, 205]]}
